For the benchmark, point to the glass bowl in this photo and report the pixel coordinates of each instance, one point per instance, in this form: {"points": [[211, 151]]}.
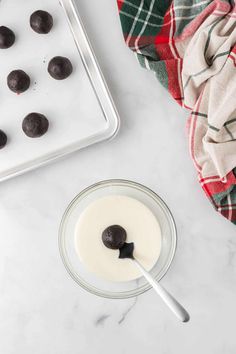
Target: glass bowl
{"points": [[92, 283]]}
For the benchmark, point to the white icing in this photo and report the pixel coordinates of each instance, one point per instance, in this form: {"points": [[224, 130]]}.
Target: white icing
{"points": [[141, 226]]}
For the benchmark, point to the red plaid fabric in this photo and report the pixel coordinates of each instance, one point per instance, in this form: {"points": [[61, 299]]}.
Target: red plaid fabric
{"points": [[162, 33]]}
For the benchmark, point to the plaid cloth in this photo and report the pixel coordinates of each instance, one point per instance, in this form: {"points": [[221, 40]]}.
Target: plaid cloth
{"points": [[190, 45]]}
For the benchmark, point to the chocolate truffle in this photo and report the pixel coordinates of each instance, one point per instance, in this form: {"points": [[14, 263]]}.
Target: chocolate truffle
{"points": [[3, 139], [60, 68], [18, 81], [41, 22], [114, 237], [7, 37], [35, 125]]}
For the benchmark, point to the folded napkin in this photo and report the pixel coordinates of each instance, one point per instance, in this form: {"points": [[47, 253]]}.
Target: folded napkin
{"points": [[190, 46]]}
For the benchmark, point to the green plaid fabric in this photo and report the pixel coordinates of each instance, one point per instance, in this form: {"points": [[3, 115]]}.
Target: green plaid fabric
{"points": [[190, 46]]}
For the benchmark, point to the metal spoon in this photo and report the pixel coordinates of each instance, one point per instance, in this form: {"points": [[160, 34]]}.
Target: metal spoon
{"points": [[126, 251]]}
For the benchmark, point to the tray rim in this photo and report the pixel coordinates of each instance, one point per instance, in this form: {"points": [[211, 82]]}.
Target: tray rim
{"points": [[106, 103]]}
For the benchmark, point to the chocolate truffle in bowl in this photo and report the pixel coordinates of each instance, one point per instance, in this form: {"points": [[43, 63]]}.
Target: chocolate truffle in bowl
{"points": [[114, 237], [7, 37]]}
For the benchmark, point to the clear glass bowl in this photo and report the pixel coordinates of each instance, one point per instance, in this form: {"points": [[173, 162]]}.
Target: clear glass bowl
{"points": [[90, 282]]}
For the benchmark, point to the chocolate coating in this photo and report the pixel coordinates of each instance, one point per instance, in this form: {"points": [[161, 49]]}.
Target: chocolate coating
{"points": [[3, 139], [60, 68], [18, 81], [35, 125], [7, 37], [114, 237], [41, 22]]}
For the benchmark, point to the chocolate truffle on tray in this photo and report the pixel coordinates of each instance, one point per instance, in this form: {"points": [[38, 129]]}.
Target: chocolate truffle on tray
{"points": [[18, 81], [3, 139], [7, 37], [60, 68], [41, 22], [35, 125]]}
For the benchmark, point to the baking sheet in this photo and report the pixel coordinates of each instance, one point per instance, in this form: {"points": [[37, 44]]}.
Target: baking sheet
{"points": [[79, 111]]}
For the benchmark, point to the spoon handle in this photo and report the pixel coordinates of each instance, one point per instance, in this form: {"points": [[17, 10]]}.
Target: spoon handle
{"points": [[169, 300]]}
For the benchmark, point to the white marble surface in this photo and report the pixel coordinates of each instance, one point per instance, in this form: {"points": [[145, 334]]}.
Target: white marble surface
{"points": [[41, 309]]}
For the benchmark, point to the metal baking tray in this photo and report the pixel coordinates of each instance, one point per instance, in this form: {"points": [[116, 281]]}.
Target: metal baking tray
{"points": [[81, 108]]}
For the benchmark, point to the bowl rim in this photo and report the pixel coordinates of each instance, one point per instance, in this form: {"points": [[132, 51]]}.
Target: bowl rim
{"points": [[111, 294]]}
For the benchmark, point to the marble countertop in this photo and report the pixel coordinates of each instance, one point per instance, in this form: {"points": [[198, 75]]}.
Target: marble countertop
{"points": [[41, 309]]}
